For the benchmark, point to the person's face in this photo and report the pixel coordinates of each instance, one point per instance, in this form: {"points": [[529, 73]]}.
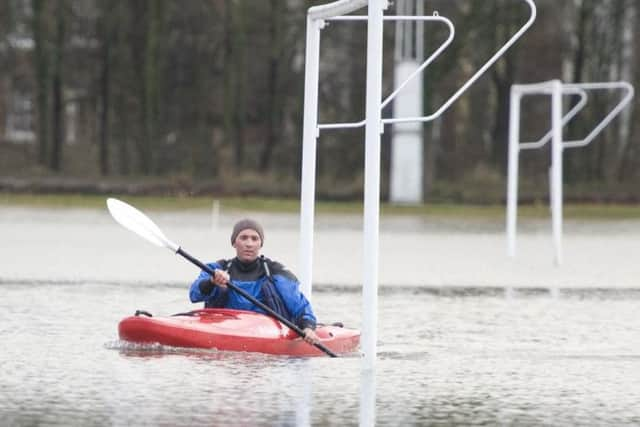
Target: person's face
{"points": [[247, 245]]}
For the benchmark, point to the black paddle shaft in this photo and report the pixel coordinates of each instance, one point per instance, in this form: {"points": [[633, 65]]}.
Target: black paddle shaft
{"points": [[248, 296]]}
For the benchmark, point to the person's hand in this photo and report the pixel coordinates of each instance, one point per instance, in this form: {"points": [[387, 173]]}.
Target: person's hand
{"points": [[220, 278], [310, 336]]}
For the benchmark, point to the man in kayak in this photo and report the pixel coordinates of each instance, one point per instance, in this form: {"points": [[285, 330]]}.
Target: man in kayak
{"points": [[266, 280]]}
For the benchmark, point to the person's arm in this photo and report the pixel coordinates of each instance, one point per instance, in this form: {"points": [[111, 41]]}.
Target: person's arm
{"points": [[307, 321], [204, 287], [297, 304]]}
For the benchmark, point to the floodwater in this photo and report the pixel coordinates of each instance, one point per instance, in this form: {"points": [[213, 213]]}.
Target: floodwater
{"points": [[466, 336]]}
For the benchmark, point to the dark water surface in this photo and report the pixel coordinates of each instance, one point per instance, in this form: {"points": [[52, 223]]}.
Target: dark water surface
{"points": [[521, 357]]}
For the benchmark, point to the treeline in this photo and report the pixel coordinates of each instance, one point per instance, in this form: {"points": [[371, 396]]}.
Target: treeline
{"points": [[212, 90]]}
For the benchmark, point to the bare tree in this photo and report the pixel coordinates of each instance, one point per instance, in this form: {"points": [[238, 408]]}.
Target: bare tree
{"points": [[275, 104], [629, 10], [41, 66], [234, 79], [106, 36], [55, 162]]}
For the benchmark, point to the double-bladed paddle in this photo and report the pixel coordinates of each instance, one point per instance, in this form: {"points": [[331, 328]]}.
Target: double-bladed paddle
{"points": [[134, 220]]}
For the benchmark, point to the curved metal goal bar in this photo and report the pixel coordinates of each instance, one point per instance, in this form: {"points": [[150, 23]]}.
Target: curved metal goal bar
{"points": [[420, 69], [626, 99], [336, 8], [565, 120], [476, 76]]}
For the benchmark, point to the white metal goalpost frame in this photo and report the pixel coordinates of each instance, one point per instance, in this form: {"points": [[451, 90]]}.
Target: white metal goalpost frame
{"points": [[433, 18], [316, 20], [556, 90], [311, 127], [374, 126]]}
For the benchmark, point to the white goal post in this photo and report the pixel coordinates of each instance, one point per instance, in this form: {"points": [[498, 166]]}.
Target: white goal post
{"points": [[373, 124], [556, 90]]}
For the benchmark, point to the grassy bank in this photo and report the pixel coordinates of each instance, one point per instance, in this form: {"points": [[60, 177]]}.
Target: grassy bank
{"points": [[571, 211]]}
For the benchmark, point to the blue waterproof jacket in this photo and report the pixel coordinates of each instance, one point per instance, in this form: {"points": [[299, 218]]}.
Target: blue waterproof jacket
{"points": [[282, 293]]}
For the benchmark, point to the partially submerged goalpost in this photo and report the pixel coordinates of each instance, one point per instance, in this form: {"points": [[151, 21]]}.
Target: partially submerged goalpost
{"points": [[373, 123], [556, 90]]}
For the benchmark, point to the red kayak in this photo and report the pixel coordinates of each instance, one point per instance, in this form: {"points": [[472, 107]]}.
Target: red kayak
{"points": [[233, 330]]}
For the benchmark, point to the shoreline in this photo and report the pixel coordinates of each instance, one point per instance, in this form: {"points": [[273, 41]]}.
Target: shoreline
{"points": [[273, 205], [277, 194]]}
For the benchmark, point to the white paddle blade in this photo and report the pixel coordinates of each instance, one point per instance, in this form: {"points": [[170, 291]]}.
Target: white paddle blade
{"points": [[134, 220]]}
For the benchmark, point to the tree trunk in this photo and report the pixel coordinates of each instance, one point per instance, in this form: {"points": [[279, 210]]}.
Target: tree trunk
{"points": [[151, 85], [145, 49], [275, 100], [105, 83], [569, 41], [228, 96], [627, 59], [234, 87], [503, 76], [239, 68], [501, 121], [42, 79], [122, 77], [58, 102], [579, 49]]}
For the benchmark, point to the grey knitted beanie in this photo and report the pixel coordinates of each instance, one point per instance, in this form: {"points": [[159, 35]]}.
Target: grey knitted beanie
{"points": [[244, 224]]}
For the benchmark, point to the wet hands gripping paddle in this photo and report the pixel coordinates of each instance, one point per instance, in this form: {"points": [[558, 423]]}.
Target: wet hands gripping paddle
{"points": [[134, 220]]}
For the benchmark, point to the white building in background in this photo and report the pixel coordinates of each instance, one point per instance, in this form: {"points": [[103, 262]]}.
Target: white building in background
{"points": [[406, 173]]}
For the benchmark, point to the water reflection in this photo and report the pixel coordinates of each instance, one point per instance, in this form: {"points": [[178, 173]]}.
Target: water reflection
{"points": [[367, 397]]}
